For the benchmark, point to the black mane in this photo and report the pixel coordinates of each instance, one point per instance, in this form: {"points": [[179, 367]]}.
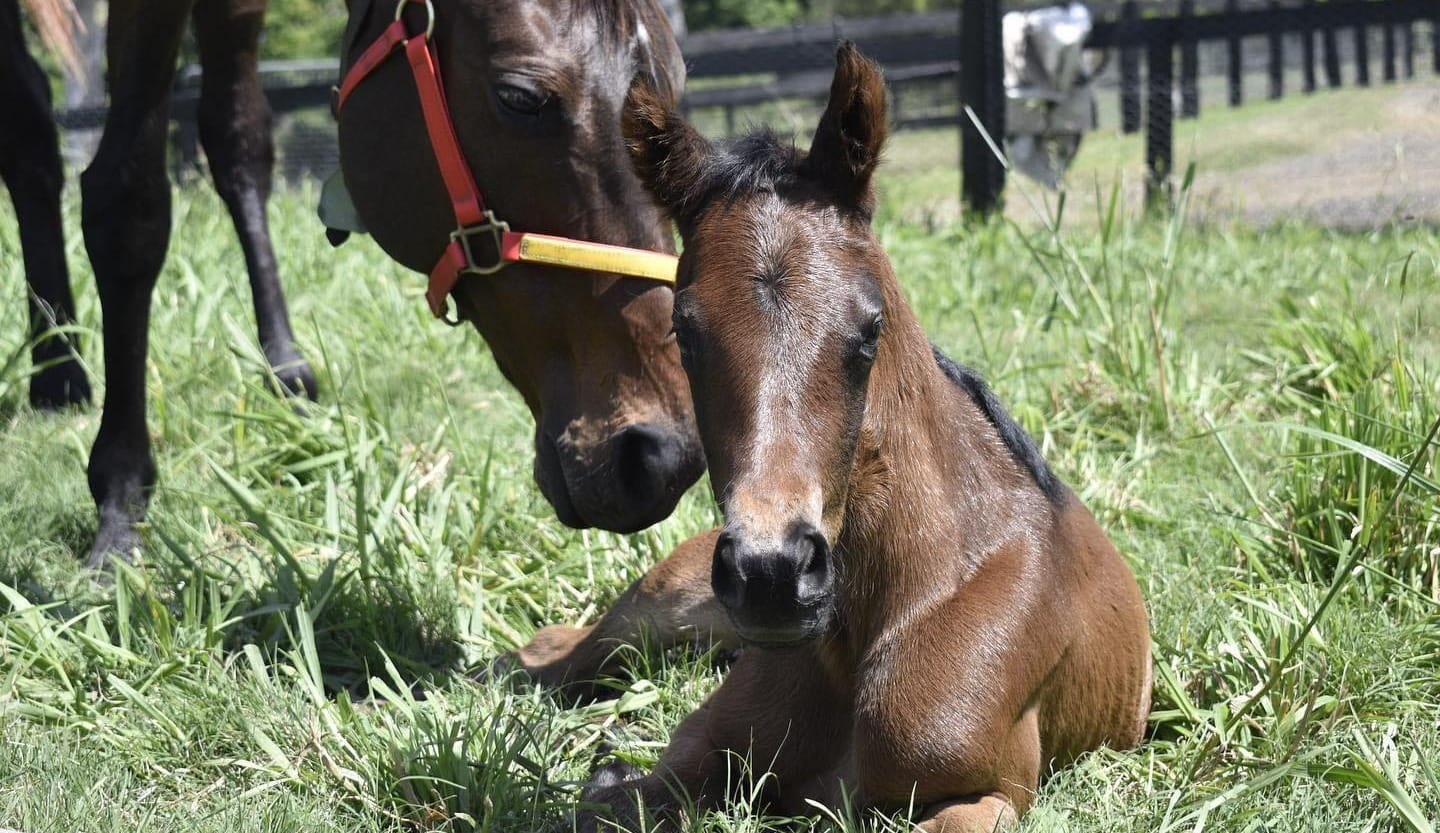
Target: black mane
{"points": [[1020, 444], [759, 162]]}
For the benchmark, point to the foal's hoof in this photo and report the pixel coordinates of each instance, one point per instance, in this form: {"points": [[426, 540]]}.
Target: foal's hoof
{"points": [[59, 386], [512, 668]]}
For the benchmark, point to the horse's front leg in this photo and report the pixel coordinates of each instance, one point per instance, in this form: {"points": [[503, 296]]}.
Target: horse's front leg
{"points": [[126, 217], [671, 604], [30, 167], [235, 132], [778, 729]]}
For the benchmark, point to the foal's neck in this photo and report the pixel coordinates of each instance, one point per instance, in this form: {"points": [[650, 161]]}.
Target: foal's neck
{"points": [[934, 488]]}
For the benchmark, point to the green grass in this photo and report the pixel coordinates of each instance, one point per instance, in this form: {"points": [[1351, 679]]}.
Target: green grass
{"points": [[1246, 412]]}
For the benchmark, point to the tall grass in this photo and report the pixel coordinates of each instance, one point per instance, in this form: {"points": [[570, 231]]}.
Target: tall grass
{"points": [[299, 648]]}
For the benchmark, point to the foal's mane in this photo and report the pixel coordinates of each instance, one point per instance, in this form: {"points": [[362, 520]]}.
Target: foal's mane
{"points": [[760, 162], [1016, 439]]}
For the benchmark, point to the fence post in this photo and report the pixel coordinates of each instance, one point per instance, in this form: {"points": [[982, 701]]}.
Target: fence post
{"points": [[1388, 51], [1189, 63], [1129, 69], [1236, 69], [1362, 55], [1435, 43], [982, 89], [1407, 49], [1277, 57], [1159, 141], [1330, 41], [1307, 44]]}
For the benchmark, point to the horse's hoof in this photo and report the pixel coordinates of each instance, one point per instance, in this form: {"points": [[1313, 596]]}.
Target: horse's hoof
{"points": [[58, 386], [117, 540], [294, 374]]}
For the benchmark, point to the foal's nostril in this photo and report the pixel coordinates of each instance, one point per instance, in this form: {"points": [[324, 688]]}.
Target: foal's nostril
{"points": [[725, 579], [781, 581], [812, 560]]}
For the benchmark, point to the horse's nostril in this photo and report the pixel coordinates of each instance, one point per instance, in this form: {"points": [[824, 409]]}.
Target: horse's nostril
{"points": [[647, 460]]}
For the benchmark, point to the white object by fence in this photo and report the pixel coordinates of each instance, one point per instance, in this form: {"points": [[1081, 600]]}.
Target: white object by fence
{"points": [[1049, 103]]}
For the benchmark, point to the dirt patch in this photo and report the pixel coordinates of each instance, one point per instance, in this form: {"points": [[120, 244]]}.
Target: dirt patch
{"points": [[1364, 178]]}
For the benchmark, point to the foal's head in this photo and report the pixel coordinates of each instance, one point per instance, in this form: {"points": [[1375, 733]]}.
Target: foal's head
{"points": [[779, 318], [535, 88]]}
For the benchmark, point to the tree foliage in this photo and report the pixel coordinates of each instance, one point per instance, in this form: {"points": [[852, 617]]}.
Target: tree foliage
{"points": [[717, 14], [303, 28]]}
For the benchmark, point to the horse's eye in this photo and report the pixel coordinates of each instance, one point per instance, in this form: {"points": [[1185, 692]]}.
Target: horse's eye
{"points": [[519, 100], [871, 332], [870, 339]]}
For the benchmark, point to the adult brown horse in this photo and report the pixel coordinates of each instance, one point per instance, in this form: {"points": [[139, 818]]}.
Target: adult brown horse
{"points": [[934, 619], [535, 93], [536, 90]]}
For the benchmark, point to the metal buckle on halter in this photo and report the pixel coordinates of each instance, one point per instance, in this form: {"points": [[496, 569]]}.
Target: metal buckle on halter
{"points": [[429, 14], [495, 228]]}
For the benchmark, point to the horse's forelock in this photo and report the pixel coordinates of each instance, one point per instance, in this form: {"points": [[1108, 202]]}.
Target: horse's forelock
{"points": [[637, 31]]}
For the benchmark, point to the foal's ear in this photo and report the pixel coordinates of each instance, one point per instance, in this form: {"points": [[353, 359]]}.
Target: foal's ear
{"points": [[669, 155], [852, 131]]}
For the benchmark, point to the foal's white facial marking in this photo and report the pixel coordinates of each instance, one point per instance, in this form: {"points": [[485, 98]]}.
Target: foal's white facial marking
{"points": [[795, 315]]}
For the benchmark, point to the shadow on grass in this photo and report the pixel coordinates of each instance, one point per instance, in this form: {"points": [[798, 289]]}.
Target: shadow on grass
{"points": [[358, 625]]}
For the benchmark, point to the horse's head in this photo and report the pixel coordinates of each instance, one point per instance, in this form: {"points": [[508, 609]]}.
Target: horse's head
{"points": [[779, 319], [535, 88]]}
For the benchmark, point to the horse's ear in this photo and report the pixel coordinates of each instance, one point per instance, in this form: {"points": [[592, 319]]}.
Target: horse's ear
{"points": [[847, 144], [668, 153]]}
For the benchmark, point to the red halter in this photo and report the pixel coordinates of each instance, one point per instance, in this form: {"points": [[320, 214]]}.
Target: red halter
{"points": [[471, 216]]}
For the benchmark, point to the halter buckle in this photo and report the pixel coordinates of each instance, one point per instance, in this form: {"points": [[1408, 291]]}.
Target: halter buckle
{"points": [[495, 228], [429, 14]]}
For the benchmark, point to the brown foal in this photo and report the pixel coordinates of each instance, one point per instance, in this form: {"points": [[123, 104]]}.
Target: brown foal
{"points": [[932, 618]]}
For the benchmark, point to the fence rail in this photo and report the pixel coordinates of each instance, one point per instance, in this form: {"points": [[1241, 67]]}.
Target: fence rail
{"points": [[743, 68]]}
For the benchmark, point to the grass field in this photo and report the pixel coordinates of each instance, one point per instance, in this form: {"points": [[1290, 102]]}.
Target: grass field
{"points": [[1250, 414], [1355, 159]]}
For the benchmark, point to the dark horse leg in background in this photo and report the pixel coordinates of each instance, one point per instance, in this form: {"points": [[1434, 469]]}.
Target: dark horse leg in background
{"points": [[30, 167], [127, 221], [235, 131]]}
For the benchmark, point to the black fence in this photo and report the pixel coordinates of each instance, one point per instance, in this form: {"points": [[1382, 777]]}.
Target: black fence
{"points": [[943, 73], [1158, 36]]}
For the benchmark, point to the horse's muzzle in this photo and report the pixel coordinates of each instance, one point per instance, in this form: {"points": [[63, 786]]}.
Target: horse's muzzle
{"points": [[775, 595], [634, 481]]}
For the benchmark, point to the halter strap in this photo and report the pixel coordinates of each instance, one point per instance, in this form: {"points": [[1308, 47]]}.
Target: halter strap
{"points": [[472, 218]]}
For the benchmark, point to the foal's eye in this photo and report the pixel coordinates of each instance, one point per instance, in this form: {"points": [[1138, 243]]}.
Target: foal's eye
{"points": [[520, 100]]}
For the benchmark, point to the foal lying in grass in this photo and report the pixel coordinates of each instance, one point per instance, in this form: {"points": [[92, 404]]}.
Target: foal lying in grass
{"points": [[932, 618]]}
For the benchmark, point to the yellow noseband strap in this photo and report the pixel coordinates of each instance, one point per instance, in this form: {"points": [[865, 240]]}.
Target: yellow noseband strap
{"points": [[543, 249]]}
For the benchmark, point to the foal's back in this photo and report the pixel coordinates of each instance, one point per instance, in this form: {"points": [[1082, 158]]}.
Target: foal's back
{"points": [[1088, 649]]}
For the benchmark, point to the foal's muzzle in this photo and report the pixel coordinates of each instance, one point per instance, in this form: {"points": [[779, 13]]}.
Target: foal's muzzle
{"points": [[775, 595]]}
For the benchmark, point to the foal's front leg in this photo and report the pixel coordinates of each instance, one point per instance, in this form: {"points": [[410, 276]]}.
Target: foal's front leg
{"points": [[779, 716], [671, 604]]}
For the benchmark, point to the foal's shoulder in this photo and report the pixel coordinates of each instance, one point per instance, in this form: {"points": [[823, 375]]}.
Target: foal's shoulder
{"points": [[1022, 447]]}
